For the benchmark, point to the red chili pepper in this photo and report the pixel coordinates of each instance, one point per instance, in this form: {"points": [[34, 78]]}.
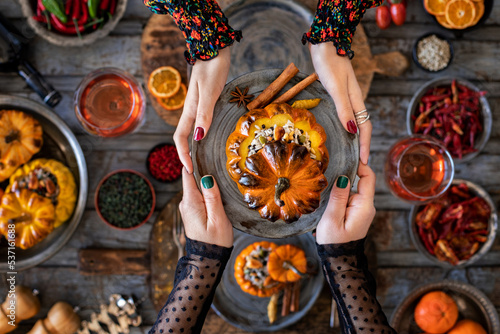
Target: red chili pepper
{"points": [[425, 239], [454, 91], [84, 16], [104, 5], [67, 6], [40, 18], [434, 98], [62, 28], [112, 7], [76, 10]]}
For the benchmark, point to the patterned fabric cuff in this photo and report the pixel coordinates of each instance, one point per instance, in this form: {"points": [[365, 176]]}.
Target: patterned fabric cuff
{"points": [[209, 251], [356, 247], [203, 24], [335, 21]]}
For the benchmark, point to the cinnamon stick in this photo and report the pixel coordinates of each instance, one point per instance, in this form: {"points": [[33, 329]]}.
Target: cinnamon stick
{"points": [[274, 88], [287, 299], [294, 305], [290, 94]]}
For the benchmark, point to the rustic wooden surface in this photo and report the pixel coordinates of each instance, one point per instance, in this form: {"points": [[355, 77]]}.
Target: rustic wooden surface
{"points": [[400, 267]]}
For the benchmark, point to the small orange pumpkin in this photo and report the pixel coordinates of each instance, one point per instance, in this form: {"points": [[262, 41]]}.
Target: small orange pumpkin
{"points": [[285, 261], [20, 139], [281, 181], [251, 272]]}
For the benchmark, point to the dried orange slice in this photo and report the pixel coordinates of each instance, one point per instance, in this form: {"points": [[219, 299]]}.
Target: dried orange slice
{"points": [[164, 82], [479, 12], [442, 21], [435, 7], [175, 102], [460, 13]]}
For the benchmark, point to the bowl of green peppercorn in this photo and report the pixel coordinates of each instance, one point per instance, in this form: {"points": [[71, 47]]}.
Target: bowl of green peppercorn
{"points": [[125, 199]]}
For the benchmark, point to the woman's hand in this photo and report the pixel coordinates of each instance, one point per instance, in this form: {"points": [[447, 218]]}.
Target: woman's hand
{"points": [[205, 85], [203, 214], [348, 218], [337, 76]]}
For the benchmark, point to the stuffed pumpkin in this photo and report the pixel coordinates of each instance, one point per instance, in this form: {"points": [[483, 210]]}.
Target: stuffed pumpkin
{"points": [[20, 138], [250, 270], [32, 215], [277, 156], [51, 179]]}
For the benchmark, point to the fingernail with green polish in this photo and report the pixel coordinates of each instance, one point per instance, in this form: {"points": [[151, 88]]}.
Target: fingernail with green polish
{"points": [[342, 182], [208, 182]]}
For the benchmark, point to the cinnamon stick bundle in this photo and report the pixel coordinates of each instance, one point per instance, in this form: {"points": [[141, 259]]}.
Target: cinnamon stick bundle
{"points": [[287, 299], [274, 88], [294, 304], [290, 94]]}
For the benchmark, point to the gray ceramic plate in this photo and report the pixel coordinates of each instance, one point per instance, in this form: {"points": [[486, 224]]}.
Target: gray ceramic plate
{"points": [[272, 31], [249, 312], [209, 154], [493, 227], [59, 143], [472, 304]]}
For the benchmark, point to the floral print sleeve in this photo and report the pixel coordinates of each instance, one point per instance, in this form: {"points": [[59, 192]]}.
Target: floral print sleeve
{"points": [[203, 24], [353, 287], [335, 21]]}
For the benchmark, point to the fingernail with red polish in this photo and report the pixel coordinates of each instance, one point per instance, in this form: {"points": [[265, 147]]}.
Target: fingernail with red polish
{"points": [[199, 133], [351, 127]]}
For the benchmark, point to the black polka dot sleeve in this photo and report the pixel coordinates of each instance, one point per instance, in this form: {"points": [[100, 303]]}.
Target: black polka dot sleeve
{"points": [[353, 287], [198, 274]]}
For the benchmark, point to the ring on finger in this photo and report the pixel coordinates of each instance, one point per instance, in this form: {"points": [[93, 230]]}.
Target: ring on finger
{"points": [[362, 116]]}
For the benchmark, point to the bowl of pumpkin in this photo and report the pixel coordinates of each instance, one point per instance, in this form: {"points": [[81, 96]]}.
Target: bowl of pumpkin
{"points": [[446, 307], [43, 175], [269, 284]]}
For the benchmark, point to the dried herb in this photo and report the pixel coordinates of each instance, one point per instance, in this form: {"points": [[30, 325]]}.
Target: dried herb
{"points": [[240, 97], [164, 163], [125, 199]]}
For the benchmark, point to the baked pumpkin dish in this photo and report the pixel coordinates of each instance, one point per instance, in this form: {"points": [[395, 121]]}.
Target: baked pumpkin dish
{"points": [[51, 179], [277, 156]]}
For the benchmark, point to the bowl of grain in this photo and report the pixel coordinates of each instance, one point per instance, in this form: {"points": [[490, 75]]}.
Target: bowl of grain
{"points": [[432, 52]]}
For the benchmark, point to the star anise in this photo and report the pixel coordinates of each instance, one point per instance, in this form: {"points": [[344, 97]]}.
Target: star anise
{"points": [[240, 97]]}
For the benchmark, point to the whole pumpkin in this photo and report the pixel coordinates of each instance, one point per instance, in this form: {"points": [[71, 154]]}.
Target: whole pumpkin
{"points": [[20, 138], [272, 116], [250, 270], [467, 326], [51, 179], [33, 217], [436, 312], [286, 263], [281, 181]]}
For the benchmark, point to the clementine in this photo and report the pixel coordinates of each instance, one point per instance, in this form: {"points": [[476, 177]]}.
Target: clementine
{"points": [[436, 312], [467, 326]]}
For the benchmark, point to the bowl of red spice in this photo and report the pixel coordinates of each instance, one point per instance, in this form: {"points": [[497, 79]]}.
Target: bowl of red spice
{"points": [[73, 22], [163, 163], [455, 112], [125, 199], [458, 228]]}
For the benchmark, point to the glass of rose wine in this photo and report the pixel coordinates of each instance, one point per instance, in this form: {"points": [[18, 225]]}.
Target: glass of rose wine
{"points": [[109, 102], [418, 169]]}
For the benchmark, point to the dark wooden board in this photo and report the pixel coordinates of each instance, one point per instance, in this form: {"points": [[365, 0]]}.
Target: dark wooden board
{"points": [[99, 261]]}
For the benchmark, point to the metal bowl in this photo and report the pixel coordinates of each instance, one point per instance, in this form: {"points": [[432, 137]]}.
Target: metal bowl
{"points": [[493, 226], [61, 144], [472, 304], [485, 113], [56, 38]]}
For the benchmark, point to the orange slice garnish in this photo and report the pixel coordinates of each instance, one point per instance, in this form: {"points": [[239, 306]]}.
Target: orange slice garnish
{"points": [[435, 7], [442, 21], [175, 102], [460, 13], [164, 82], [479, 12]]}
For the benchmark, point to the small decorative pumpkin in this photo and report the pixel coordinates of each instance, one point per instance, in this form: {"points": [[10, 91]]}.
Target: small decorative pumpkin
{"points": [[26, 304], [20, 138], [300, 125], [250, 270], [282, 182], [32, 215], [287, 263], [51, 179]]}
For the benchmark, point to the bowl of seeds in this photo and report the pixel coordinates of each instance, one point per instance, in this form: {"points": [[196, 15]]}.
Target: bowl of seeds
{"points": [[432, 53], [125, 199]]}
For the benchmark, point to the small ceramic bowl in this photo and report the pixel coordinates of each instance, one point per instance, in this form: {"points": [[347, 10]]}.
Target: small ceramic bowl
{"points": [[153, 199], [29, 10], [471, 302], [415, 57], [484, 248], [485, 116], [149, 169]]}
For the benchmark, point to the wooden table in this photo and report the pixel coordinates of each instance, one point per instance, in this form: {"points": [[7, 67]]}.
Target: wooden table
{"points": [[400, 266]]}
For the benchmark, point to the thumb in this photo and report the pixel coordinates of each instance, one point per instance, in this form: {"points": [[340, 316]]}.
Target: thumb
{"points": [[338, 199], [213, 201]]}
